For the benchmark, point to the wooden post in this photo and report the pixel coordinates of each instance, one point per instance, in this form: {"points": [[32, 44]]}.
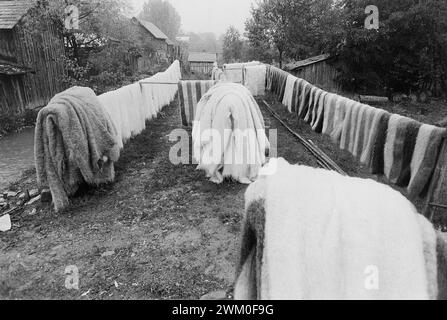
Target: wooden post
{"points": [[437, 197]]}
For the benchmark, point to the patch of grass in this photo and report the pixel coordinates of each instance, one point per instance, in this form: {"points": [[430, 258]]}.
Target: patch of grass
{"points": [[11, 122]]}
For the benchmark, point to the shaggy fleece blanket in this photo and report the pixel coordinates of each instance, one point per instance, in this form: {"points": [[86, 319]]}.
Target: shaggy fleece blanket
{"points": [[75, 141], [329, 109], [277, 80], [229, 134], [110, 104], [305, 236], [234, 71], [190, 93], [376, 119], [254, 79], [425, 155], [317, 126], [288, 92]]}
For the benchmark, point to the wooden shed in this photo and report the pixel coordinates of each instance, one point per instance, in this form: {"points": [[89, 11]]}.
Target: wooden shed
{"points": [[149, 34], [320, 70], [31, 65], [202, 62]]}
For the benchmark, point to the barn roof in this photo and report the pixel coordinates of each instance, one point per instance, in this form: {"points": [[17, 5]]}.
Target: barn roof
{"points": [[202, 57], [12, 11], [152, 28], [303, 63], [12, 70], [170, 42]]}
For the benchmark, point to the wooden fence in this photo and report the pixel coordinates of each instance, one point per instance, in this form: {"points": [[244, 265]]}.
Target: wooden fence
{"points": [[201, 67]]}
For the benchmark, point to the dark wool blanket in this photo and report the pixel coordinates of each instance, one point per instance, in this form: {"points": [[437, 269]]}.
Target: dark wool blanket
{"points": [[411, 134], [75, 142], [377, 158], [304, 103]]}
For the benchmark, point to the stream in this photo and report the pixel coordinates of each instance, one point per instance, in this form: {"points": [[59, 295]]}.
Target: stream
{"points": [[16, 155]]}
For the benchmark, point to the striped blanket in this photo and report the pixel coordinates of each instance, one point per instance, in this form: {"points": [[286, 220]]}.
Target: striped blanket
{"points": [[190, 93], [402, 149]]}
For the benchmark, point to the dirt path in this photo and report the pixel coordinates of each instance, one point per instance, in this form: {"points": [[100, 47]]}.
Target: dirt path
{"points": [[161, 231]]}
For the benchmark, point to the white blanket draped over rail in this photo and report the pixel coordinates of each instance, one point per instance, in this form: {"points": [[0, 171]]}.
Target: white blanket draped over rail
{"points": [[79, 135], [254, 79], [75, 142], [229, 134], [234, 71], [130, 106], [315, 234]]}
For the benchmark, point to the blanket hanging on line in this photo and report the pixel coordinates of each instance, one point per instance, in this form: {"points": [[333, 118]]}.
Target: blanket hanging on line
{"points": [[402, 149], [75, 141], [229, 134], [190, 93], [291, 251]]}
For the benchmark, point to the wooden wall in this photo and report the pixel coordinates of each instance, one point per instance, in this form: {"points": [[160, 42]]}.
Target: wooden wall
{"points": [[7, 47], [201, 67], [321, 74], [12, 94], [43, 52]]}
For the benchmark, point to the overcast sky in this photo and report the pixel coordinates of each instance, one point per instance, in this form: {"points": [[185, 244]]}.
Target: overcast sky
{"points": [[209, 15]]}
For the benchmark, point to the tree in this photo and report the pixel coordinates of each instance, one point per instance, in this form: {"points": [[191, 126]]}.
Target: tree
{"points": [[407, 53], [205, 41], [232, 45], [163, 15], [296, 29], [88, 53]]}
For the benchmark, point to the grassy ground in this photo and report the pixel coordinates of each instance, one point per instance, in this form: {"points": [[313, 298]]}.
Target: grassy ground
{"points": [[431, 113], [161, 231]]}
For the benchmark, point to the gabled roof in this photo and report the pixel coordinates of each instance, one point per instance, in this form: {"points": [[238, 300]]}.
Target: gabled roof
{"points": [[152, 28], [12, 11], [303, 63], [202, 57], [170, 42]]}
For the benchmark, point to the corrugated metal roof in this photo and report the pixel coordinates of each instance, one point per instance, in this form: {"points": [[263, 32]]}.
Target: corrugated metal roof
{"points": [[12, 70], [202, 57], [12, 11], [170, 42], [303, 63], [152, 28]]}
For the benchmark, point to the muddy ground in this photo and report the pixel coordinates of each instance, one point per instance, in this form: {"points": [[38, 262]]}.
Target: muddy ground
{"points": [[161, 231]]}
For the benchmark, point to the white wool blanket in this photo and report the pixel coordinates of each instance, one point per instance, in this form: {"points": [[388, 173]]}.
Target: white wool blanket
{"points": [[288, 92], [75, 141], [327, 237], [234, 71], [130, 106], [254, 79], [110, 103], [229, 134]]}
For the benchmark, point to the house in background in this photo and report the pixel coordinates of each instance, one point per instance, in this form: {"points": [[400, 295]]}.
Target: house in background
{"points": [[202, 62], [31, 65], [150, 35], [320, 70]]}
